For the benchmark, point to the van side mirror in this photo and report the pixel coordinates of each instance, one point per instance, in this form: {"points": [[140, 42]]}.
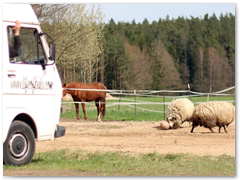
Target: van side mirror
{"points": [[52, 46], [52, 50]]}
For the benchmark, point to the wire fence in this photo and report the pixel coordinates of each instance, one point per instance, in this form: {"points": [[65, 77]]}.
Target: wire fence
{"points": [[156, 100]]}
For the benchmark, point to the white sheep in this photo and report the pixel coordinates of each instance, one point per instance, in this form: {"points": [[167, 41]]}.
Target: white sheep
{"points": [[179, 111], [214, 113]]}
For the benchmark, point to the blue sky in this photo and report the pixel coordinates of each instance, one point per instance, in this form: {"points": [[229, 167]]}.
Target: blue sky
{"points": [[154, 11]]}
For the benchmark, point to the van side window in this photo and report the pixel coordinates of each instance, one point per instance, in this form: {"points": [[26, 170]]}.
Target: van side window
{"points": [[29, 50]]}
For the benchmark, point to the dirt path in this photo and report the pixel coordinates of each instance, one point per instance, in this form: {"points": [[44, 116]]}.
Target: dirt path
{"points": [[141, 137], [137, 137]]}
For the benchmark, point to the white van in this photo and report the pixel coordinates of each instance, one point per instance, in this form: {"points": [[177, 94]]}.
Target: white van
{"points": [[31, 85]]}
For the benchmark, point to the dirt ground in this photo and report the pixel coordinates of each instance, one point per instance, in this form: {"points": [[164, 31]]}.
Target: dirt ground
{"points": [[135, 137], [141, 137]]}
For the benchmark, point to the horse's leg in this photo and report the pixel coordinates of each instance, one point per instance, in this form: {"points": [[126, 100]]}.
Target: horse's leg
{"points": [[84, 111], [101, 109], [98, 108], [77, 110]]}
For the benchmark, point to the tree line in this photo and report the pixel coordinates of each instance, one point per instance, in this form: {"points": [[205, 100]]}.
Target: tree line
{"points": [[164, 54]]}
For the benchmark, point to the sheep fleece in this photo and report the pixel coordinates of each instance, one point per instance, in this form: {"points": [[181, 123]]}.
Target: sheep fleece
{"points": [[214, 113], [181, 109]]}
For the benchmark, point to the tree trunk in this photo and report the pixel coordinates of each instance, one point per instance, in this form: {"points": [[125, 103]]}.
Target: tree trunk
{"points": [[185, 51], [102, 68], [119, 79], [200, 56], [64, 72], [96, 70], [74, 80]]}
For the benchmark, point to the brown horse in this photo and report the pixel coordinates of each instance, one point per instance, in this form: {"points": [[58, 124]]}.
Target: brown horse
{"points": [[87, 96]]}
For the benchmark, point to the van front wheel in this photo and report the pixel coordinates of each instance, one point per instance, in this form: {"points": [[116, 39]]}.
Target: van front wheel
{"points": [[19, 147]]}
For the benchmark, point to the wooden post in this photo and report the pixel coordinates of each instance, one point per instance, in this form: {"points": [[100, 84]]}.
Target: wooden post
{"points": [[119, 100], [189, 92]]}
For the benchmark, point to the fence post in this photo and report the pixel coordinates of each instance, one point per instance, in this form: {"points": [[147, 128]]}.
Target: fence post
{"points": [[189, 92], [120, 100], [135, 104], [210, 90], [164, 104]]}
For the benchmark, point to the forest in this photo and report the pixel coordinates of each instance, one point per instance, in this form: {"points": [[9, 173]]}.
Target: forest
{"points": [[166, 54]]}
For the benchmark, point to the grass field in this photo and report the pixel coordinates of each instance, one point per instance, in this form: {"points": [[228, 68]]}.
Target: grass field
{"points": [[146, 108], [129, 164]]}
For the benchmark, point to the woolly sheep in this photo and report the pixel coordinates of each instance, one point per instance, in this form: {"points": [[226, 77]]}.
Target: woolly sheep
{"points": [[179, 111], [214, 113]]}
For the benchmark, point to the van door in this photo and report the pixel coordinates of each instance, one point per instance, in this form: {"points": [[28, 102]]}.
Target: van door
{"points": [[30, 84], [5, 62]]}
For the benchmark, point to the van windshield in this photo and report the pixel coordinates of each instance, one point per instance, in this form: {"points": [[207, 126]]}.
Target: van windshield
{"points": [[27, 53]]}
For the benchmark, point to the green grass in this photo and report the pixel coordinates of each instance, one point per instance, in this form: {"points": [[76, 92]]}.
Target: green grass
{"points": [[146, 112], [123, 114], [129, 164]]}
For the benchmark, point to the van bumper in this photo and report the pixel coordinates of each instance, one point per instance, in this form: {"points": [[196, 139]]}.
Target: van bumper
{"points": [[60, 131]]}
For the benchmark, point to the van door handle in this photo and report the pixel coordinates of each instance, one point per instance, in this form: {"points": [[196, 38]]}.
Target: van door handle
{"points": [[11, 75]]}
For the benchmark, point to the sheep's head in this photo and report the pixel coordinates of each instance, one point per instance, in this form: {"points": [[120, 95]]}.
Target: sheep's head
{"points": [[173, 123]]}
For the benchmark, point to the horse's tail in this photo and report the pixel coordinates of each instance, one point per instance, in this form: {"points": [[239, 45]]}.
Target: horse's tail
{"points": [[104, 99], [103, 95]]}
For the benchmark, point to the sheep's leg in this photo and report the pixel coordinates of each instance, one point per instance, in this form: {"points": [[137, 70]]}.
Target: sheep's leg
{"points": [[211, 130], [225, 129], [219, 129], [192, 129]]}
